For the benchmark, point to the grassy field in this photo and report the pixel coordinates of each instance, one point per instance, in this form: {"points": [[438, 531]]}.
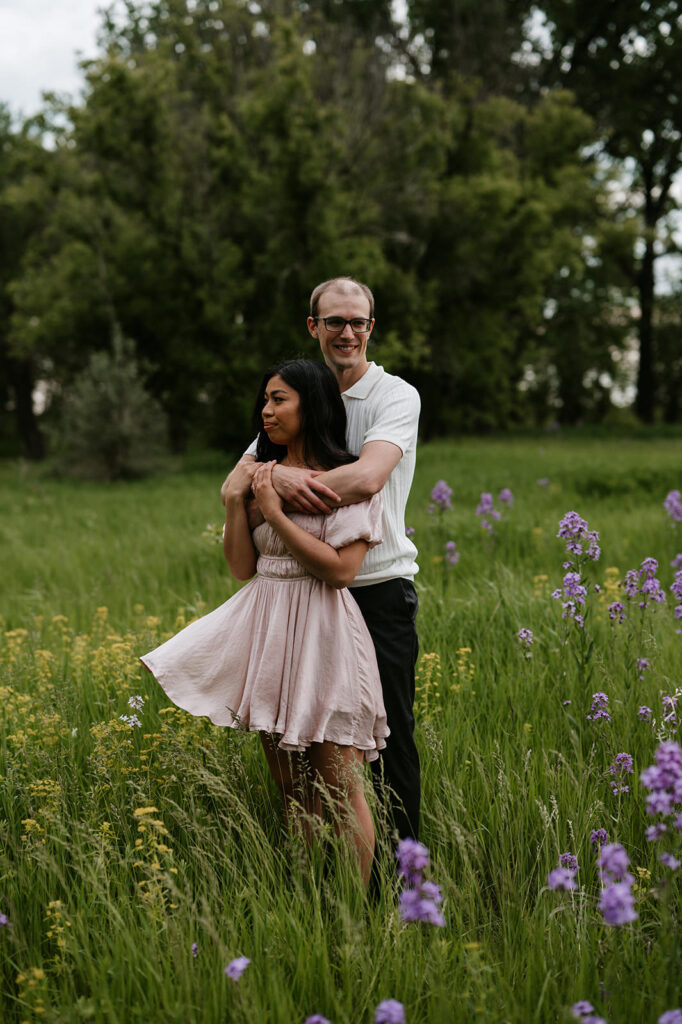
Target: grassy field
{"points": [[121, 847]]}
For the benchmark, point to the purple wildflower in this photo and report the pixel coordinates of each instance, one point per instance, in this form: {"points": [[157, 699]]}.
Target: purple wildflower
{"points": [[525, 639], [671, 1017], [505, 497], [5, 921], [195, 949], [565, 703], [486, 511], [599, 709], [440, 496], [451, 553], [569, 860], [642, 666], [669, 861], [413, 858], [317, 1018], [574, 530], [581, 1008], [415, 906], [677, 561], [236, 967], [136, 702], [641, 584], [614, 863], [561, 878], [409, 531], [654, 832], [617, 904], [673, 506], [598, 837], [644, 713], [389, 1011], [617, 612], [621, 766]]}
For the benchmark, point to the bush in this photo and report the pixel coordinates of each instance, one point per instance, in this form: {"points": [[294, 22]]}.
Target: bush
{"points": [[110, 427]]}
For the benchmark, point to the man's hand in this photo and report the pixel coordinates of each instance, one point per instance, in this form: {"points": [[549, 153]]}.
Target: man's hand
{"points": [[300, 489], [239, 481]]}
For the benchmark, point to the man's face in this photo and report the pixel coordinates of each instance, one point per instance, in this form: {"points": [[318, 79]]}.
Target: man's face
{"points": [[344, 350]]}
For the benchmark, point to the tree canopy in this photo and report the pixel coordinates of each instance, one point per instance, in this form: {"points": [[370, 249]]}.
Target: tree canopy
{"points": [[228, 156]]}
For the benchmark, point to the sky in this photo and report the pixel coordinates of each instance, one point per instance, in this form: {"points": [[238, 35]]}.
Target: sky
{"points": [[41, 42]]}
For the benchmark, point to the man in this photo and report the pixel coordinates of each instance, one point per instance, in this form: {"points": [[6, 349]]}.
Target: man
{"points": [[383, 415]]}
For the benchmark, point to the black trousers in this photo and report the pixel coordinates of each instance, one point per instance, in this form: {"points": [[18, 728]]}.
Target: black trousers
{"points": [[390, 611]]}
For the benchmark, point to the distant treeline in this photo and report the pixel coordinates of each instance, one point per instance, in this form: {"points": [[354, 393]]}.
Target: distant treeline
{"points": [[500, 177]]}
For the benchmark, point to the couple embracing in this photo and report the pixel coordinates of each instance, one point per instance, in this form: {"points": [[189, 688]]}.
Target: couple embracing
{"points": [[317, 652]]}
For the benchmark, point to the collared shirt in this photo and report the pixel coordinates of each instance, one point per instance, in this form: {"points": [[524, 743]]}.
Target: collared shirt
{"points": [[383, 407]]}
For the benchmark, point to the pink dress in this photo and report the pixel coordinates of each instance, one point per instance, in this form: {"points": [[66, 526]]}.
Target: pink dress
{"points": [[287, 655]]}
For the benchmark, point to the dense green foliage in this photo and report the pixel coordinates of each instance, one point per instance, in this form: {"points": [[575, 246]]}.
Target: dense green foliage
{"points": [[228, 156], [158, 837]]}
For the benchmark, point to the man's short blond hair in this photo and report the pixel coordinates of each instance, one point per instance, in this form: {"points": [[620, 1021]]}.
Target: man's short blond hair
{"points": [[343, 284]]}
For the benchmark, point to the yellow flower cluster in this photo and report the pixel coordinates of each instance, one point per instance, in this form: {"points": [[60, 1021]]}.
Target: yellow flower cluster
{"points": [[464, 668], [32, 985], [154, 859], [541, 586], [428, 683], [58, 923]]}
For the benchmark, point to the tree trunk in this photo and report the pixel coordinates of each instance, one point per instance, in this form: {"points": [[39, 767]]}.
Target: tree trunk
{"points": [[21, 383]]}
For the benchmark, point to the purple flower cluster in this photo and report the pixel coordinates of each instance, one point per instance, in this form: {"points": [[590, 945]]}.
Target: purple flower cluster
{"points": [[575, 593], [505, 497], [664, 780], [390, 1011], [671, 1017], [641, 584], [584, 1012], [642, 666], [598, 837], [673, 506], [644, 713], [409, 531], [419, 900], [576, 532], [136, 702], [525, 639], [621, 767], [195, 949], [236, 967], [677, 561], [487, 512], [451, 553], [617, 612], [440, 498], [5, 921], [569, 860], [562, 878], [617, 903], [599, 709], [317, 1018]]}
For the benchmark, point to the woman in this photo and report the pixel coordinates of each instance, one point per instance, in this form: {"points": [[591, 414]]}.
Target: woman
{"points": [[290, 655]]}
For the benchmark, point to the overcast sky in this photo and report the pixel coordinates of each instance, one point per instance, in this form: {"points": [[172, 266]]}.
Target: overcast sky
{"points": [[41, 42]]}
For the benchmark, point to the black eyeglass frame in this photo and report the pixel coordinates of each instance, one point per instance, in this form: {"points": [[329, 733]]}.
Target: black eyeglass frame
{"points": [[337, 330]]}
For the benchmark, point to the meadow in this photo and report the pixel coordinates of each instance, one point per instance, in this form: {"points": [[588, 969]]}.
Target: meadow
{"points": [[137, 862]]}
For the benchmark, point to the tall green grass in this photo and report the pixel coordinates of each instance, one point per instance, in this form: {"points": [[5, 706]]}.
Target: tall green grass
{"points": [[106, 903]]}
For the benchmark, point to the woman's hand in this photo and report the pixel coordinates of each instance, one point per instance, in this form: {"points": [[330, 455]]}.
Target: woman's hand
{"points": [[238, 483], [267, 498]]}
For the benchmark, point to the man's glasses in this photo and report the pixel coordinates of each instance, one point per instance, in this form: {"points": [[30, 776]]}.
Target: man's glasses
{"points": [[359, 325]]}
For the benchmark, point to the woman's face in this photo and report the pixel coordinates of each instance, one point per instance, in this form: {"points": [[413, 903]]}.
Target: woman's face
{"points": [[281, 412]]}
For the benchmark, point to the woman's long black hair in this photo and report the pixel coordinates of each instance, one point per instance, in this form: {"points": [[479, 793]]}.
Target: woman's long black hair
{"points": [[323, 416]]}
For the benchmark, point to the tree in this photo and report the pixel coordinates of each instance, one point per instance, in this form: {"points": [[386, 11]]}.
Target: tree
{"points": [[622, 60]]}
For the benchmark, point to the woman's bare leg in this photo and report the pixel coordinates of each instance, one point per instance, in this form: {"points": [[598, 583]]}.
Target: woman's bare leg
{"points": [[340, 770], [292, 774]]}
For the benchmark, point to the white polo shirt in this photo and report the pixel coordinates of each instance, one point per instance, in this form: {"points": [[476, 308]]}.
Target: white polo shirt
{"points": [[383, 407]]}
